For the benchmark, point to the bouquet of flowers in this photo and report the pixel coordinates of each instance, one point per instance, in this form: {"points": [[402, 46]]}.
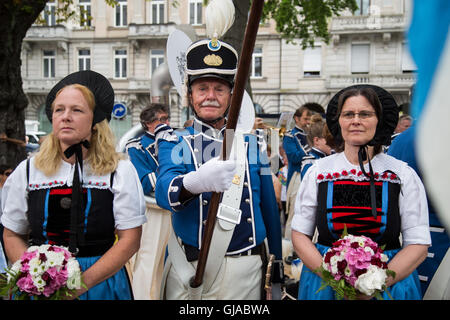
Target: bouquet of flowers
{"points": [[45, 272], [355, 264]]}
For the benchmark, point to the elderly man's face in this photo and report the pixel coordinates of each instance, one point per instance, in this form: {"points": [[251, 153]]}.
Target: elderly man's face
{"points": [[210, 98], [403, 125]]}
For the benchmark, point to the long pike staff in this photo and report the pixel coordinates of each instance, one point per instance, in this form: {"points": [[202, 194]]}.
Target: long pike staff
{"points": [[233, 114]]}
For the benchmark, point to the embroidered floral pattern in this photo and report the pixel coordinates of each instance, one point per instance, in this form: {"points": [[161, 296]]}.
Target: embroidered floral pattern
{"points": [[357, 175]]}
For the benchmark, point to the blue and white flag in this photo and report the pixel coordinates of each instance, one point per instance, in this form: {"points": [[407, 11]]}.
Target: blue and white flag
{"points": [[429, 43]]}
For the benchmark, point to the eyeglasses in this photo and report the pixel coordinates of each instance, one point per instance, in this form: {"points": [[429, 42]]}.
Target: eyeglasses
{"points": [[163, 119], [363, 115]]}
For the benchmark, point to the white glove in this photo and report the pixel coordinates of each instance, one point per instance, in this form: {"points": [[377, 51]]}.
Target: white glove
{"points": [[213, 176]]}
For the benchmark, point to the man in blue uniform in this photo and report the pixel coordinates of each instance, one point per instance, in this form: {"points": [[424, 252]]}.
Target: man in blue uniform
{"points": [[404, 148], [295, 143], [141, 150], [190, 171], [148, 263]]}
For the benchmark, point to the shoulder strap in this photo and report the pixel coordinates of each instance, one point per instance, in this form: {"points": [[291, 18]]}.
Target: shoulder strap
{"points": [[111, 178], [28, 171]]}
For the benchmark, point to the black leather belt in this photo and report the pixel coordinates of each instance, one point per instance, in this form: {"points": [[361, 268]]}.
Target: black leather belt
{"points": [[192, 252]]}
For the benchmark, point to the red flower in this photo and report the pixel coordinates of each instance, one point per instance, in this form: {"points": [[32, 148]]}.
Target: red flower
{"points": [[344, 173], [353, 171], [393, 176], [359, 173], [320, 176], [385, 175], [336, 174], [329, 176]]}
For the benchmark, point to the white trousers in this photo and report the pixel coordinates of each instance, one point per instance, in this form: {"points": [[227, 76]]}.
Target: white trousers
{"points": [[239, 279], [147, 265]]}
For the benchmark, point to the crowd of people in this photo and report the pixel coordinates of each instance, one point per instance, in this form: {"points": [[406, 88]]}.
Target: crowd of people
{"points": [[78, 191]]}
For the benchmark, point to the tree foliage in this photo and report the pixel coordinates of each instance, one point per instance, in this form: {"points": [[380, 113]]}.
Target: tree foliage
{"points": [[305, 20]]}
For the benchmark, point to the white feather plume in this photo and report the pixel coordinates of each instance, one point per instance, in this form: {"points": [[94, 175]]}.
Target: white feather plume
{"points": [[219, 16]]}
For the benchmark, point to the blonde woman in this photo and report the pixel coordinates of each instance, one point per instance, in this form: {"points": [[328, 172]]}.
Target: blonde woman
{"points": [[77, 191]]}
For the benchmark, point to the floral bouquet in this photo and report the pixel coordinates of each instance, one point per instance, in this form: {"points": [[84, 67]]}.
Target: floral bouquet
{"points": [[45, 272], [355, 264]]}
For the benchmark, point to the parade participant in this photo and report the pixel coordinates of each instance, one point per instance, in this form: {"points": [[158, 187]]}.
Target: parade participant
{"points": [[370, 192], [141, 150], [77, 191], [295, 142], [296, 147], [433, 272], [148, 263], [316, 139], [190, 171]]}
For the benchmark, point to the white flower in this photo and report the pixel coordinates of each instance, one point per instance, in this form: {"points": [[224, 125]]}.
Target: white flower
{"points": [[74, 274], [32, 248], [73, 267], [74, 282], [372, 280], [369, 249], [35, 266], [39, 283], [43, 248], [333, 263], [384, 258], [54, 259]]}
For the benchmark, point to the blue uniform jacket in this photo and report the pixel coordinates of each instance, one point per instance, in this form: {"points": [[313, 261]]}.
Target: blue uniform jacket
{"points": [[308, 160], [189, 149], [404, 148], [296, 147], [142, 154]]}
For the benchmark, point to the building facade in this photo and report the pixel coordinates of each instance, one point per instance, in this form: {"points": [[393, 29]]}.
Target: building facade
{"points": [[127, 43]]}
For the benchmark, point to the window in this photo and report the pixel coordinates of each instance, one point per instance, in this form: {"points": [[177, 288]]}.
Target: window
{"points": [[156, 58], [50, 13], [121, 14], [157, 11], [312, 61], [408, 64], [256, 71], [120, 63], [84, 59], [363, 8], [360, 58], [85, 13], [49, 63], [195, 12]]}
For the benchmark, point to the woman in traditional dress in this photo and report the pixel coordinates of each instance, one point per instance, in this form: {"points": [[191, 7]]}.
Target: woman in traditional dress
{"points": [[369, 192], [77, 191]]}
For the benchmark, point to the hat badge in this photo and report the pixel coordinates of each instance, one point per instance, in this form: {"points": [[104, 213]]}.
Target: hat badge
{"points": [[212, 60], [214, 44]]}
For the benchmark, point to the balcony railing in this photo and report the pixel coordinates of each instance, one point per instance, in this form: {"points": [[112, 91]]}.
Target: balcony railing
{"points": [[39, 85], [392, 81], [148, 31], [368, 24], [45, 33]]}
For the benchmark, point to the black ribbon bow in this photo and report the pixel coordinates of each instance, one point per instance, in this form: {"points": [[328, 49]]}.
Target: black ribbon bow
{"points": [[76, 232], [362, 156]]}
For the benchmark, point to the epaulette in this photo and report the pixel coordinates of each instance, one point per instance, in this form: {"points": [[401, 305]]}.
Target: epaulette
{"points": [[134, 143]]}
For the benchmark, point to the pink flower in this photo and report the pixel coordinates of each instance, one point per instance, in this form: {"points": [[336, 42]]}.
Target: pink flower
{"points": [[26, 284]]}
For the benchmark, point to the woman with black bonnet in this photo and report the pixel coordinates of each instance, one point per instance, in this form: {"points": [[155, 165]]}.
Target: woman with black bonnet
{"points": [[77, 191], [369, 192]]}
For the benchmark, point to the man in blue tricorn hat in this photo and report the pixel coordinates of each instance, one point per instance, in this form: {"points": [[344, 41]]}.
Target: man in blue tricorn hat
{"points": [[248, 221]]}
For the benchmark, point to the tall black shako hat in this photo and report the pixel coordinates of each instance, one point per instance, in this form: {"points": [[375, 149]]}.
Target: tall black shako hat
{"points": [[104, 102], [387, 120], [97, 83], [211, 58]]}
